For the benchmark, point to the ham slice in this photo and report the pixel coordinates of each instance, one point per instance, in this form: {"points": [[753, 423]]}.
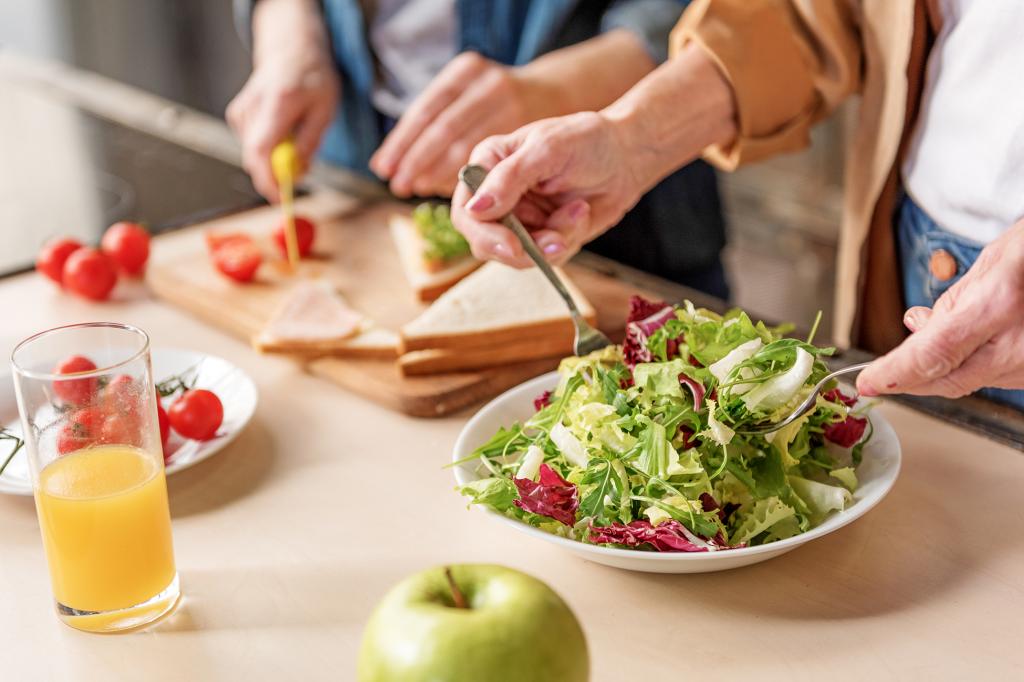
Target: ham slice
{"points": [[313, 317]]}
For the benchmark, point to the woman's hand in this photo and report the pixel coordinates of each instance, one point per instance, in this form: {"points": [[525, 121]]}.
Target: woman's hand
{"points": [[973, 337], [293, 90], [567, 179], [473, 98]]}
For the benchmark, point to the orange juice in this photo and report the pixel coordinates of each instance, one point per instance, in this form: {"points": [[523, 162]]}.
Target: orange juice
{"points": [[106, 527]]}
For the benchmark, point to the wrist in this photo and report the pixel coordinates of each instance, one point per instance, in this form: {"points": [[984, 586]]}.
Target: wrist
{"points": [[288, 27], [539, 96], [672, 115]]}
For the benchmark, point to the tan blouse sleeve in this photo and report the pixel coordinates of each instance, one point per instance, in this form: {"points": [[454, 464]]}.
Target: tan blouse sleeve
{"points": [[790, 62]]}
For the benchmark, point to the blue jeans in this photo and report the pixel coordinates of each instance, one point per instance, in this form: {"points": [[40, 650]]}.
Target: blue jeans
{"points": [[917, 237]]}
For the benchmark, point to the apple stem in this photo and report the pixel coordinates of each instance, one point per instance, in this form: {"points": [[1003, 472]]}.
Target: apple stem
{"points": [[457, 596]]}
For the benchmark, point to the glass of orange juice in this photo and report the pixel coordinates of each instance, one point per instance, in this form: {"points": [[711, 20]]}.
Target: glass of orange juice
{"points": [[89, 411]]}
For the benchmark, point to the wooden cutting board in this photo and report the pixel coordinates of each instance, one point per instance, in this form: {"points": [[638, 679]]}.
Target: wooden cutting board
{"points": [[354, 250]]}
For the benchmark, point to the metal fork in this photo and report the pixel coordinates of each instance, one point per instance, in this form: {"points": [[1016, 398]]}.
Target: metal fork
{"points": [[805, 407], [587, 338]]}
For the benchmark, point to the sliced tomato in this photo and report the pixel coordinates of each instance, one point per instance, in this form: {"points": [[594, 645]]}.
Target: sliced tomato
{"points": [[128, 245], [238, 257], [305, 233], [53, 255]]}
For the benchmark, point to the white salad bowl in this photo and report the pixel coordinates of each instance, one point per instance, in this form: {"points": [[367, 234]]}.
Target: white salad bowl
{"points": [[877, 474]]}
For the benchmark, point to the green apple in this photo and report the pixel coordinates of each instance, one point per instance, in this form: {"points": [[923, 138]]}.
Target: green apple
{"points": [[473, 623]]}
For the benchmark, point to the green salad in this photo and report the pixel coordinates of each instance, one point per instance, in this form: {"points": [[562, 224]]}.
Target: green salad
{"points": [[441, 241], [637, 446]]}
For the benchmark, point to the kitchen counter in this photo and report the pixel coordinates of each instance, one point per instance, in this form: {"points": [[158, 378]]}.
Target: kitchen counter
{"points": [[288, 538]]}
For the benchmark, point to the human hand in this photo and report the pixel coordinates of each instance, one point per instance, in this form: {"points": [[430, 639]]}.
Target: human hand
{"points": [[567, 179], [472, 98], [973, 337], [293, 90]]}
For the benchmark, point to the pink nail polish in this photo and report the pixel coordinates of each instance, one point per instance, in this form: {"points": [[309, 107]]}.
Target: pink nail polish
{"points": [[501, 251], [480, 202], [554, 248]]}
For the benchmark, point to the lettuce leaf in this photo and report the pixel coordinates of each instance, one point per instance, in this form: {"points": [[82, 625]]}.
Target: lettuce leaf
{"points": [[497, 493], [820, 498], [765, 514]]}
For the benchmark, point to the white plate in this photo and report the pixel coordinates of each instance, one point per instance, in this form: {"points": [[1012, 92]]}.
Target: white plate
{"points": [[877, 474], [233, 386]]}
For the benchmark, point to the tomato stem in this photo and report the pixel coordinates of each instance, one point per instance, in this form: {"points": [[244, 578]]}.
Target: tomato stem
{"points": [[18, 443]]}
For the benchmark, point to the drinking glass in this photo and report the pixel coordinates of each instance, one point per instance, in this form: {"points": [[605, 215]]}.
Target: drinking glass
{"points": [[88, 411]]}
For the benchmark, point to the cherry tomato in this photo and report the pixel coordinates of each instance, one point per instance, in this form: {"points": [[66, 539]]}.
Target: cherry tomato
{"points": [[215, 240], [238, 258], [121, 394], [75, 391], [196, 414], [121, 428], [90, 273], [304, 234], [53, 255], [165, 426], [128, 245], [81, 430]]}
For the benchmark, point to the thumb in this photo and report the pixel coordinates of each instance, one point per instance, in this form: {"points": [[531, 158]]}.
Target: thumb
{"points": [[917, 317]]}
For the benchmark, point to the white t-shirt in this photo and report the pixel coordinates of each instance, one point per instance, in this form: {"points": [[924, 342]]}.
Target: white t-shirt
{"points": [[965, 165], [412, 41]]}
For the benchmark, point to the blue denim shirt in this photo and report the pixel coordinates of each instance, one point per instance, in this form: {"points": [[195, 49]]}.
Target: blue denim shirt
{"points": [[507, 31]]}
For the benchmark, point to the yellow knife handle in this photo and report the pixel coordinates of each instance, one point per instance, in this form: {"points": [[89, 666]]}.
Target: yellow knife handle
{"points": [[287, 168]]}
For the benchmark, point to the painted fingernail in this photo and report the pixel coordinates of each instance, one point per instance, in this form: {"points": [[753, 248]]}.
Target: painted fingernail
{"points": [[501, 251], [480, 202], [554, 248]]}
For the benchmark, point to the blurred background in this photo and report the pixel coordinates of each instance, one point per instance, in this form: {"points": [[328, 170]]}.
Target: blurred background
{"points": [[782, 215]]}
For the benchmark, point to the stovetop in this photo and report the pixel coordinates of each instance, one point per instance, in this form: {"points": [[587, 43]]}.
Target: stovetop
{"points": [[66, 171]]}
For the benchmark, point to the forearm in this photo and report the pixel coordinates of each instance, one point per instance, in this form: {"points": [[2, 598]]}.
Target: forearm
{"points": [[282, 25], [589, 75], [669, 117]]}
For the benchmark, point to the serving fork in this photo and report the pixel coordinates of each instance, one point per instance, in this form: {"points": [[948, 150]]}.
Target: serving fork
{"points": [[587, 338], [806, 406]]}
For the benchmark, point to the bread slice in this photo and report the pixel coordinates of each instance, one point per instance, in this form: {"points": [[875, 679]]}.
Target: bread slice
{"points": [[314, 320], [496, 306], [428, 280], [442, 360]]}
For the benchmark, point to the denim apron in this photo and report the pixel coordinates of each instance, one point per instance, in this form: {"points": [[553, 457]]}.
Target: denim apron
{"points": [[918, 237]]}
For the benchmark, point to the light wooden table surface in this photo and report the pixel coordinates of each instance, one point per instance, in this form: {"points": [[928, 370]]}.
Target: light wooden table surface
{"points": [[287, 539]]}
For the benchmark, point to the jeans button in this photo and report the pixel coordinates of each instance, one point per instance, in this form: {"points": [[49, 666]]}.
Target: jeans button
{"points": [[942, 265]]}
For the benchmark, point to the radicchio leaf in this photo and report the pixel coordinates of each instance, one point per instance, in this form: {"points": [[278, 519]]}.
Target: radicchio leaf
{"points": [[668, 536], [837, 396], [688, 436], [846, 433], [640, 308], [645, 318], [542, 401], [696, 388], [553, 496]]}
